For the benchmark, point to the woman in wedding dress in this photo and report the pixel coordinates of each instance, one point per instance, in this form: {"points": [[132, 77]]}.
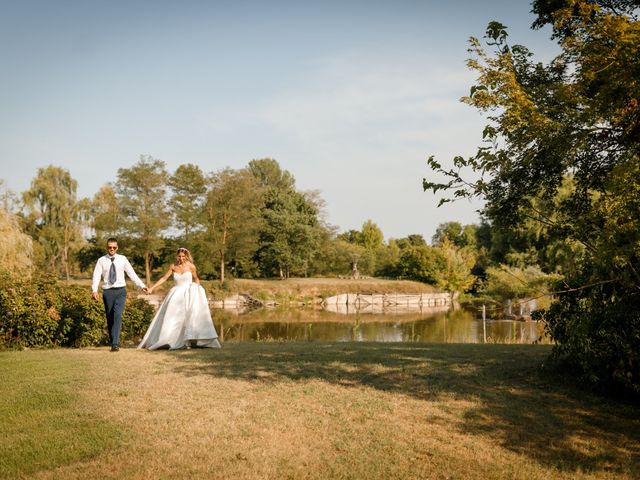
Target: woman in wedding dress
{"points": [[183, 319]]}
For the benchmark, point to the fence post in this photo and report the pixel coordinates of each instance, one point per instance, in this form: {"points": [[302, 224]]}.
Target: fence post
{"points": [[484, 323]]}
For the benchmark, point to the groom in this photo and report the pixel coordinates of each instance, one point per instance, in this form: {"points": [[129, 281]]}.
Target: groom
{"points": [[111, 268]]}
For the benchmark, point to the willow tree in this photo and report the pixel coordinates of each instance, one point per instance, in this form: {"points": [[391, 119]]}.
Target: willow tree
{"points": [[54, 217], [576, 117], [141, 192], [15, 249]]}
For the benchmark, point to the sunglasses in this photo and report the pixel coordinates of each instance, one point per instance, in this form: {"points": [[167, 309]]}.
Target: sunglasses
{"points": [[112, 248]]}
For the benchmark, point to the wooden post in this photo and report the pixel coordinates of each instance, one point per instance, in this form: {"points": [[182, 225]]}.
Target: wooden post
{"points": [[484, 323]]}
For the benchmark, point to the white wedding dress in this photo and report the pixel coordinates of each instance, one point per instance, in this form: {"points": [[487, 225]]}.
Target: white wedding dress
{"points": [[183, 319]]}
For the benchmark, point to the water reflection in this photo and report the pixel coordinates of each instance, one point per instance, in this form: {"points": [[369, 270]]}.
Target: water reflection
{"points": [[452, 326]]}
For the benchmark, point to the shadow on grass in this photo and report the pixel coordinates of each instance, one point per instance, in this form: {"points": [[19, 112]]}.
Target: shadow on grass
{"points": [[524, 409]]}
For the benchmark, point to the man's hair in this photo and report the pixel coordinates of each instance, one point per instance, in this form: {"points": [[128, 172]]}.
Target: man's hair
{"points": [[112, 240]]}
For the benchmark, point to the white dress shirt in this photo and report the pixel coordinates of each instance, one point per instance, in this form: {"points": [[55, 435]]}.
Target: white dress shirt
{"points": [[103, 265]]}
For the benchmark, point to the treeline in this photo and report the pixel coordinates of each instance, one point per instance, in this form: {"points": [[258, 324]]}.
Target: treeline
{"points": [[248, 223]]}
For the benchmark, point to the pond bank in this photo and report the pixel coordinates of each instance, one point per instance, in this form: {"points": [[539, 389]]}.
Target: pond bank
{"points": [[311, 291]]}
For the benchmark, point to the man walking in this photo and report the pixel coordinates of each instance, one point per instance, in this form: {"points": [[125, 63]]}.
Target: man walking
{"points": [[111, 268]]}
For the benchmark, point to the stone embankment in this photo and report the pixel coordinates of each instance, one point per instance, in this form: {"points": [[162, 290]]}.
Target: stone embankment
{"points": [[354, 302], [385, 302]]}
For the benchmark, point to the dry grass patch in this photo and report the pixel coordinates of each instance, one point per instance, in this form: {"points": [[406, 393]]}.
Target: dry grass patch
{"points": [[354, 410], [298, 288]]}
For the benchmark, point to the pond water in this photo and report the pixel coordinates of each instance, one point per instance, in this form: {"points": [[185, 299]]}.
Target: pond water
{"points": [[451, 326]]}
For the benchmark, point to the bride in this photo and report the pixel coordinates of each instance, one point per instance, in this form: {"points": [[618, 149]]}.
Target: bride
{"points": [[183, 319]]}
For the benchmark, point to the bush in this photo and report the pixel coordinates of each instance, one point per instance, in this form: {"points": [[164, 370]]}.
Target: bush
{"points": [[29, 314], [136, 319], [49, 314], [597, 331]]}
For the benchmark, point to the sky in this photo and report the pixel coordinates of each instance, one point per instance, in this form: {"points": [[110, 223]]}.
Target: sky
{"points": [[349, 96]]}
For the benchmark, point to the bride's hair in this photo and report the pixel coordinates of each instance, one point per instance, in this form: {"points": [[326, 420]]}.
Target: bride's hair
{"points": [[186, 252]]}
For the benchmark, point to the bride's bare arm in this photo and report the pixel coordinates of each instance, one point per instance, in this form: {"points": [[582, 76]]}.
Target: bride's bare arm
{"points": [[194, 272], [162, 280]]}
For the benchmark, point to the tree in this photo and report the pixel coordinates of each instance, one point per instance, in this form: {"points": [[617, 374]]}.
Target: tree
{"points": [[53, 217], [508, 283], [292, 228], [290, 233], [420, 263], [349, 245], [8, 199], [461, 236], [577, 116], [351, 236], [141, 192], [368, 251], [106, 218], [233, 219], [454, 274], [372, 236], [353, 252], [15, 249], [189, 188], [269, 174]]}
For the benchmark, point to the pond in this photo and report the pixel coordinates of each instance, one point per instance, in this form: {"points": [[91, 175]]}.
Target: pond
{"points": [[305, 324]]}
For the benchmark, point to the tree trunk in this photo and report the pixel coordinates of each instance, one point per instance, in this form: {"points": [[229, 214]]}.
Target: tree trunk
{"points": [[65, 253], [65, 260], [221, 267], [223, 248], [147, 268]]}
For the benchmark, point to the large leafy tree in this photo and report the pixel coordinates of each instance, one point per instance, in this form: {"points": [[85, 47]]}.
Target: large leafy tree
{"points": [[455, 232], [269, 174], [454, 274], [233, 219], [291, 230], [141, 192], [419, 262], [54, 217], [367, 251], [290, 234], [576, 117], [189, 187]]}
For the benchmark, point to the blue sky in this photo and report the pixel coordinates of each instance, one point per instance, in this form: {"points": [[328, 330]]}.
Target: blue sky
{"points": [[350, 96]]}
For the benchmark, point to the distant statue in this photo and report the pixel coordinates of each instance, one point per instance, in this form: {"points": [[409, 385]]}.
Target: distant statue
{"points": [[354, 270]]}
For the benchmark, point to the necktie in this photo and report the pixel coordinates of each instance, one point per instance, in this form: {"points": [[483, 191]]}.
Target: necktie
{"points": [[112, 272]]}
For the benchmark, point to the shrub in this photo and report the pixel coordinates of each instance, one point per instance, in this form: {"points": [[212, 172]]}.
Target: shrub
{"points": [[82, 318], [597, 331], [136, 319], [49, 314], [29, 314]]}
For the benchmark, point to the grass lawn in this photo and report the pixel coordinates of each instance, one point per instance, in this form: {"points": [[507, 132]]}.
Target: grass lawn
{"points": [[307, 411]]}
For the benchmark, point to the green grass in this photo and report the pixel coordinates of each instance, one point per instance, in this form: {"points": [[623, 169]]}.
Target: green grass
{"points": [[43, 423], [312, 411]]}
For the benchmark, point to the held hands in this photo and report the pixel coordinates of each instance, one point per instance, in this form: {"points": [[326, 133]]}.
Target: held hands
{"points": [[147, 290]]}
